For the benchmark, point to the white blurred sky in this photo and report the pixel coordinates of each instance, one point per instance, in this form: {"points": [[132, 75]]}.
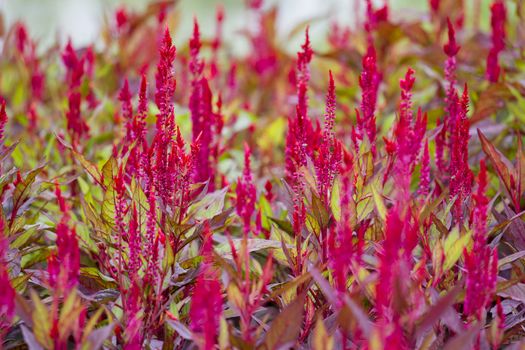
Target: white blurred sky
{"points": [[81, 19]]}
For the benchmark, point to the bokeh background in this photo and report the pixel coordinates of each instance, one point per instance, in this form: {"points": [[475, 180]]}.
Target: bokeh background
{"points": [[81, 20]]}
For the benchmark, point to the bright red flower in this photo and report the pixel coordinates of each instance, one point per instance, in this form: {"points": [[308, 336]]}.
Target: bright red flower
{"points": [[498, 19], [206, 300], [481, 262], [64, 265], [246, 193], [7, 293], [369, 82]]}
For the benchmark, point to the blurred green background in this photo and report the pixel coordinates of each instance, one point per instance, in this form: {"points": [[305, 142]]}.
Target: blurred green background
{"points": [[81, 20]]}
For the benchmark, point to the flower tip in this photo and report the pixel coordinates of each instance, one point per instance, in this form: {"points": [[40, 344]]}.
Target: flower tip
{"points": [[451, 48]]}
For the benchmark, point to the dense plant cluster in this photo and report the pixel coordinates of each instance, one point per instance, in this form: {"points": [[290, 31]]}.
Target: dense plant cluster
{"points": [[368, 194]]}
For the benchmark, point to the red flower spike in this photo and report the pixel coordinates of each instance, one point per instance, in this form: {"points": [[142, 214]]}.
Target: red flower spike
{"points": [[125, 98], [434, 5], [165, 79], [451, 48], [121, 18], [64, 266], [408, 133], [246, 193], [206, 124], [206, 300], [7, 293], [300, 130], [329, 154], [341, 248], [498, 19], [3, 121], [424, 180], [369, 82], [460, 173], [480, 263], [217, 42], [21, 37]]}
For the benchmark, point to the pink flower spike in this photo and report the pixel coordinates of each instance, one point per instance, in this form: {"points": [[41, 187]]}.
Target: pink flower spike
{"points": [[498, 19], [246, 193], [206, 300], [451, 48], [3, 121]]}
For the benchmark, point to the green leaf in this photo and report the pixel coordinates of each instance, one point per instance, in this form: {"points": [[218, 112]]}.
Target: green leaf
{"points": [[335, 200], [211, 205], [41, 322], [454, 246], [254, 244], [378, 200]]}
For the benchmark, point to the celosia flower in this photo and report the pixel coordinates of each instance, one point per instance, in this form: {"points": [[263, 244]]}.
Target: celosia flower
{"points": [[338, 36], [424, 180], [64, 265], [7, 293], [374, 17], [206, 300], [434, 5], [127, 109], [300, 130], [246, 193], [165, 81], [498, 19], [369, 82], [74, 66], [460, 174], [401, 236], [408, 135], [263, 59], [21, 37], [481, 263], [76, 125], [217, 42], [133, 324], [204, 120], [3, 121], [121, 18], [341, 248]]}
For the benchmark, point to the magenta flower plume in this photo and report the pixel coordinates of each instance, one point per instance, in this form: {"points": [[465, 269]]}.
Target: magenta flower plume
{"points": [[76, 125], [74, 66], [206, 300], [165, 80], [374, 17], [460, 173], [126, 108], [205, 123], [451, 48], [7, 293], [64, 265], [264, 59], [329, 153], [3, 121], [395, 262], [498, 19], [424, 180], [246, 193], [481, 263], [217, 42], [434, 5], [408, 132], [341, 248], [443, 139], [369, 82], [300, 128]]}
